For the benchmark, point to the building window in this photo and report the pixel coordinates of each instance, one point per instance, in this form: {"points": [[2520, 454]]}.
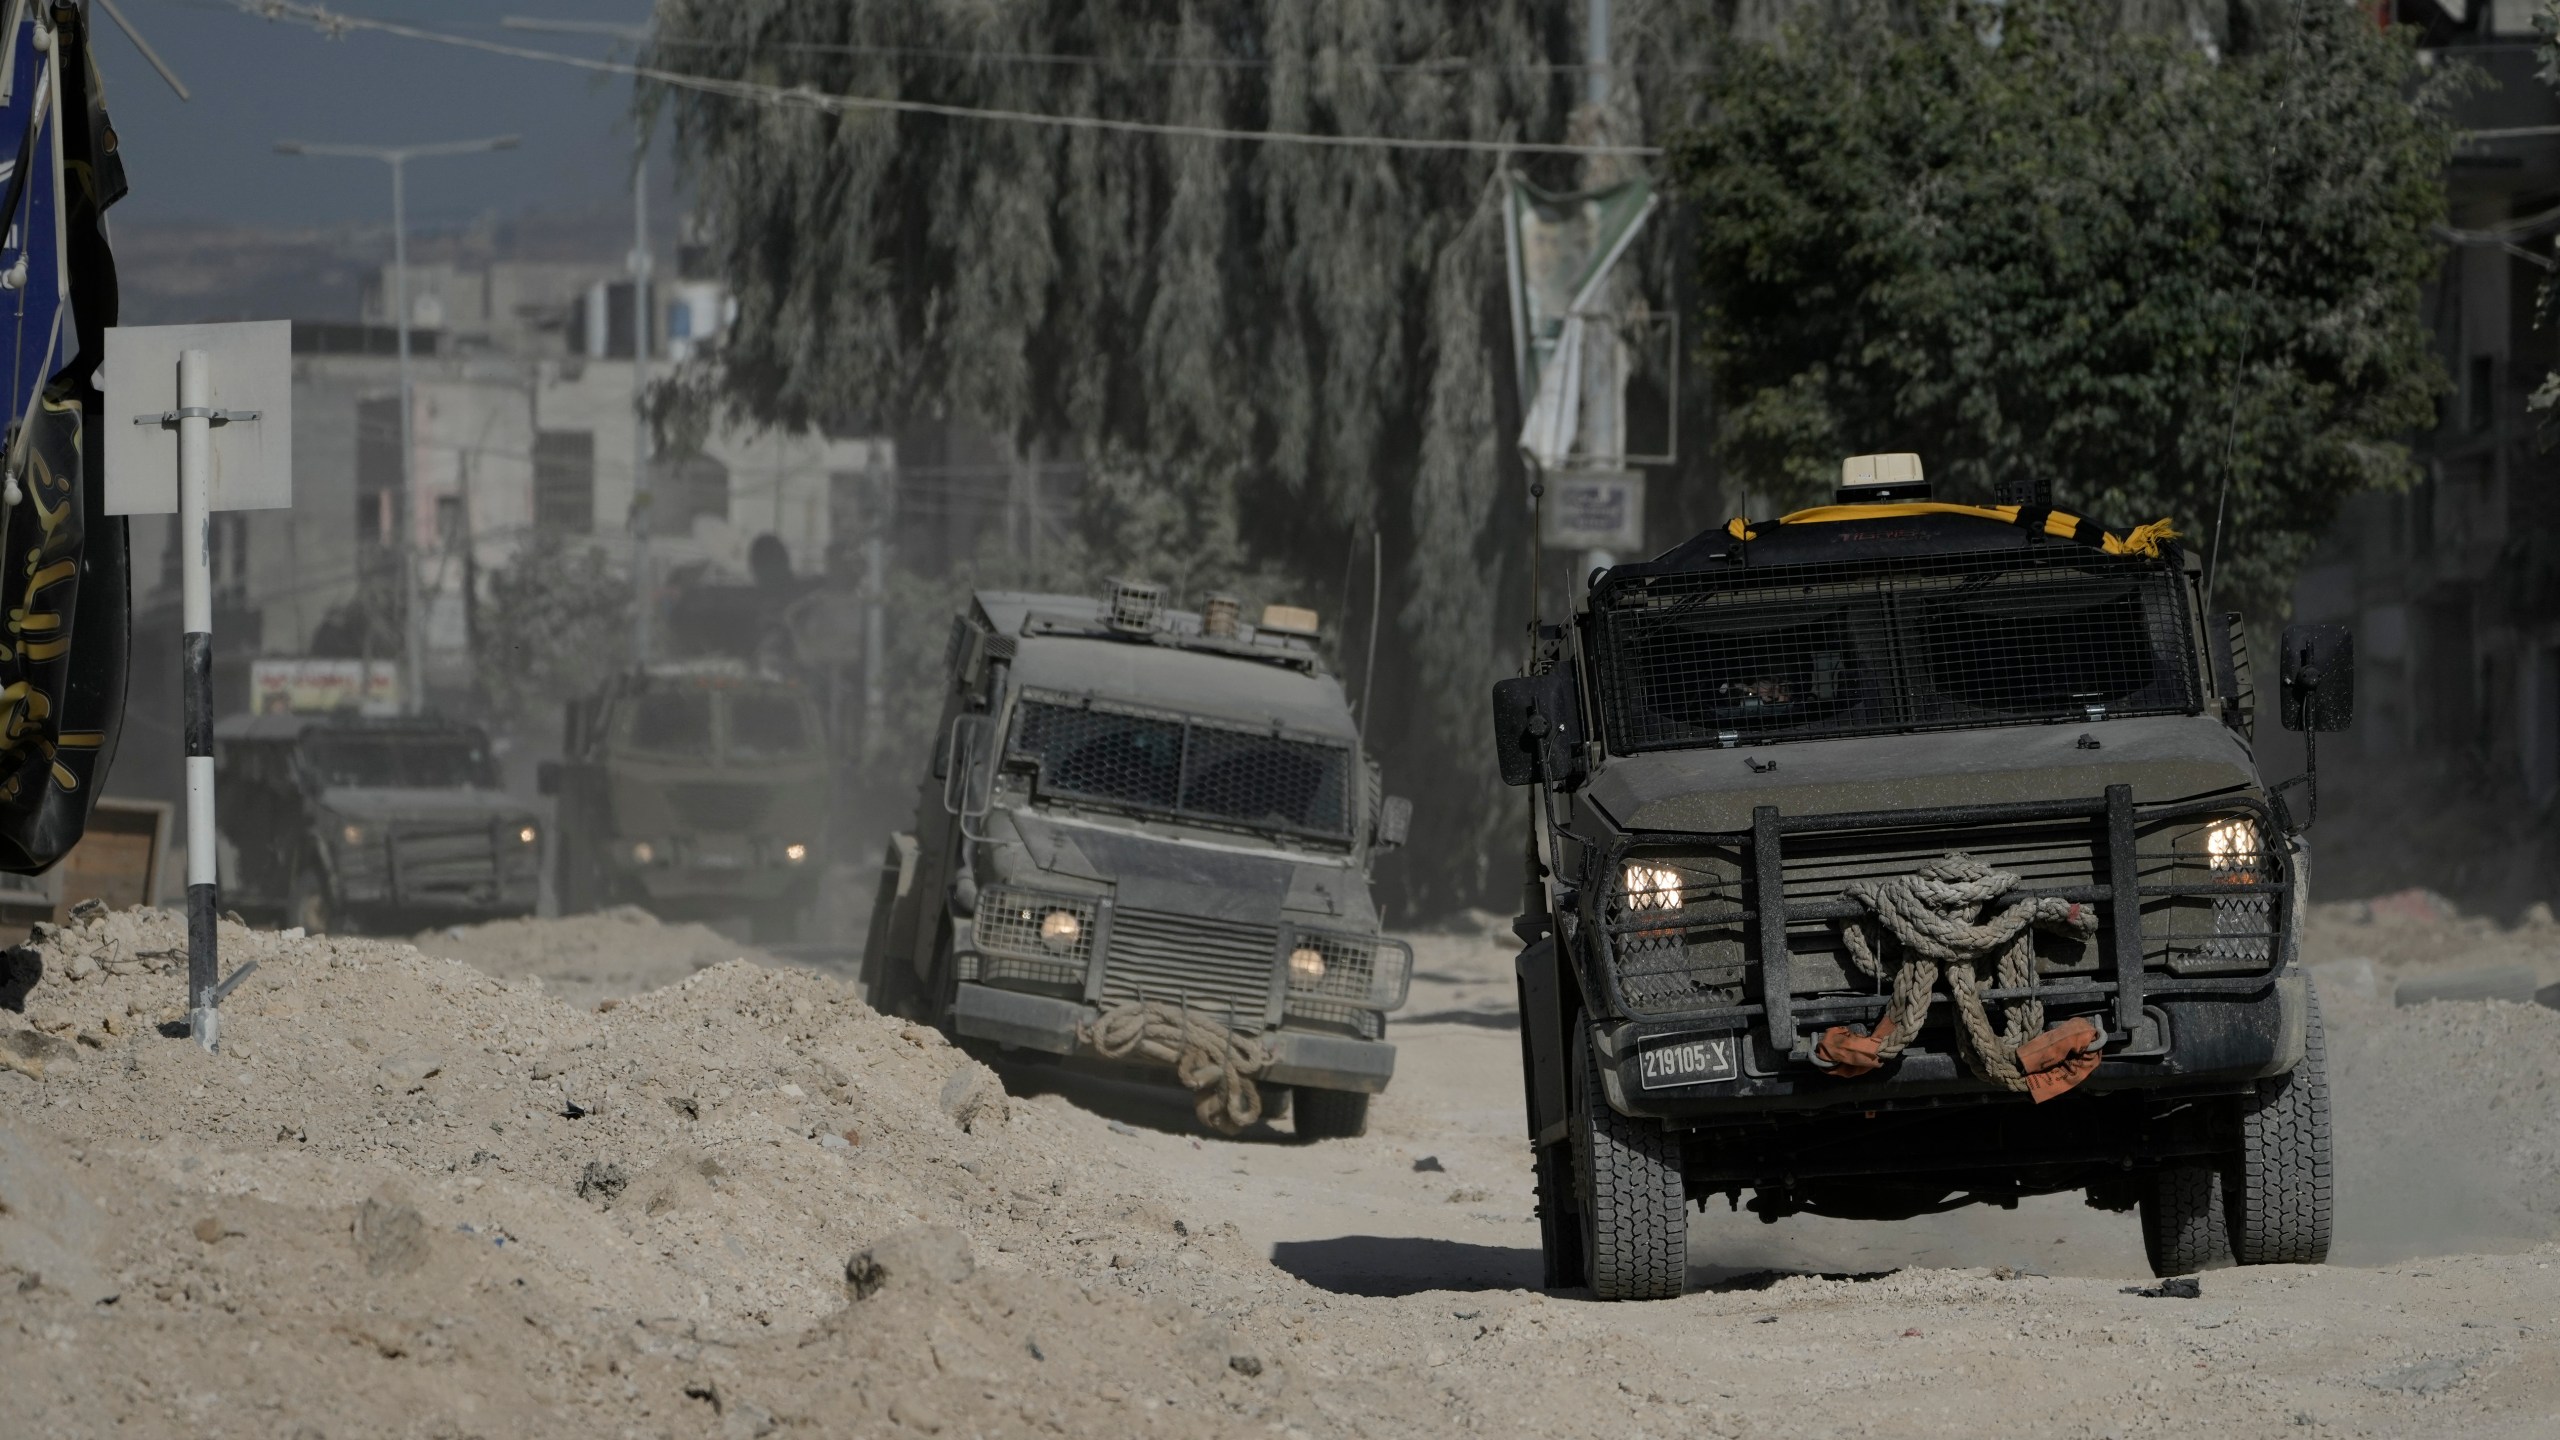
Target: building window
{"points": [[377, 468], [2480, 394], [564, 481]]}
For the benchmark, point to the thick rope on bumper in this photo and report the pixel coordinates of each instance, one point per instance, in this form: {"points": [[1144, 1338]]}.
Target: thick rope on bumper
{"points": [[1936, 918], [1214, 1063]]}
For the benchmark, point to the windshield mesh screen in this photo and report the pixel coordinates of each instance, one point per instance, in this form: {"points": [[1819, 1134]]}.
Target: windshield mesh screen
{"points": [[1185, 766], [1802, 652]]}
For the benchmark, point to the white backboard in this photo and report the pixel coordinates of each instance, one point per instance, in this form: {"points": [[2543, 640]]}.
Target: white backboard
{"points": [[252, 459], [1594, 510]]}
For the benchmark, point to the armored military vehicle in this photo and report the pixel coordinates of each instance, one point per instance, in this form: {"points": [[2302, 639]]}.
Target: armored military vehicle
{"points": [[1895, 856], [343, 822], [695, 791], [1145, 845]]}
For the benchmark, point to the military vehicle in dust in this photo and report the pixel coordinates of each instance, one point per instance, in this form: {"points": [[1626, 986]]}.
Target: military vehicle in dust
{"points": [[695, 791], [1145, 845], [1896, 856], [341, 822]]}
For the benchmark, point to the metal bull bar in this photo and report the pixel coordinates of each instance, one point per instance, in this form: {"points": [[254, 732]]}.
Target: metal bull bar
{"points": [[2124, 978]]}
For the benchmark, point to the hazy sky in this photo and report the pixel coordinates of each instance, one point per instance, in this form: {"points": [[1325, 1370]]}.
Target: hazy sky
{"points": [[257, 81]]}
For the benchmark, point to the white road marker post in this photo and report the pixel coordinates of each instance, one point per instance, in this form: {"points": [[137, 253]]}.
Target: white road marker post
{"points": [[195, 541], [238, 458]]}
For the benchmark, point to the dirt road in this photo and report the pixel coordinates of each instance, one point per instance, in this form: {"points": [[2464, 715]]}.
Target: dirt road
{"points": [[421, 1200]]}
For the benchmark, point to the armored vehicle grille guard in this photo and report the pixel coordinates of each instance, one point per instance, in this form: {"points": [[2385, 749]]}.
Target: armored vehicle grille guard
{"points": [[1803, 652], [1678, 927], [1222, 773]]}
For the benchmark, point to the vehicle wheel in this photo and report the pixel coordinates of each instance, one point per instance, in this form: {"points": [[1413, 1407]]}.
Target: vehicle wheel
{"points": [[2182, 1229], [307, 905], [1330, 1114], [2281, 1196], [1635, 1209]]}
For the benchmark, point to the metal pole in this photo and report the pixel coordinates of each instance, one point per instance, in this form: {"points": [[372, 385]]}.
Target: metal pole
{"points": [[641, 487], [195, 542], [412, 650]]}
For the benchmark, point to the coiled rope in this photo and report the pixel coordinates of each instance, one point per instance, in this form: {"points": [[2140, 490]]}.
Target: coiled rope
{"points": [[1216, 1064], [1935, 917]]}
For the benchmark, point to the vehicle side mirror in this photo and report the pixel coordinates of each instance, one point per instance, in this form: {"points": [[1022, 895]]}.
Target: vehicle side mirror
{"points": [[1537, 729], [1395, 822], [2319, 677], [546, 777]]}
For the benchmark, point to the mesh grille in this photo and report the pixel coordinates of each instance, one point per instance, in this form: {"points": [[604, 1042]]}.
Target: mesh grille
{"points": [[1680, 936], [1807, 651], [1120, 755], [1009, 929]]}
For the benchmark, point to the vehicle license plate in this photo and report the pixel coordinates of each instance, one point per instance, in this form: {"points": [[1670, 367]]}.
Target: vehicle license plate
{"points": [[1695, 1060]]}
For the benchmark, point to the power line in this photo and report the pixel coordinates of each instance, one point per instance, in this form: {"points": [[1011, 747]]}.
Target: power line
{"points": [[334, 24]]}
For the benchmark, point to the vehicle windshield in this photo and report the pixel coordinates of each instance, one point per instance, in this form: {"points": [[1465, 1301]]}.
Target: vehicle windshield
{"points": [[394, 761], [1877, 647], [672, 722], [769, 724], [1186, 766]]}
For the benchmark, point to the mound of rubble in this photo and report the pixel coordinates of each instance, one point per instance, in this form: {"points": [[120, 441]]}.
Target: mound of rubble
{"points": [[722, 1205]]}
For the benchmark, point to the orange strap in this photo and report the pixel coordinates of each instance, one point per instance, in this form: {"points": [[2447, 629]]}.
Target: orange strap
{"points": [[2054, 1061], [1848, 1054], [2060, 1057]]}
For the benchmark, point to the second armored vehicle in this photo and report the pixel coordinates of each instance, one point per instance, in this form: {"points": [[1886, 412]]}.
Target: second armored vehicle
{"points": [[693, 791], [1146, 843]]}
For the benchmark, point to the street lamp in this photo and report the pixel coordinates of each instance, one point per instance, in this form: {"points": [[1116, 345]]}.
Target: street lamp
{"points": [[412, 646]]}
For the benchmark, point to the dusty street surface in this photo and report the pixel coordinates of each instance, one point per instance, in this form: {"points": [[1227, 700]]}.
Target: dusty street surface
{"points": [[415, 1198]]}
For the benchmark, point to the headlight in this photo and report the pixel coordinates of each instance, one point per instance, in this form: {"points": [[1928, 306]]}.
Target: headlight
{"points": [[795, 852], [352, 835], [2231, 847], [1059, 930], [528, 835], [1651, 887], [644, 853], [1306, 967]]}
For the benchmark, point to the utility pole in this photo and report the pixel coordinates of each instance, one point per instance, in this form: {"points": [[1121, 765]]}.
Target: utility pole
{"points": [[413, 660]]}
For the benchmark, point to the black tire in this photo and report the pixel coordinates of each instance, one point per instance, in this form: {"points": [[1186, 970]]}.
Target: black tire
{"points": [[1329, 1114], [1635, 1208], [2281, 1196], [2182, 1221], [877, 958]]}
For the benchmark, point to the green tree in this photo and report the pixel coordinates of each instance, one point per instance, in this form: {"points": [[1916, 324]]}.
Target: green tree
{"points": [[556, 624], [2032, 246], [1266, 353]]}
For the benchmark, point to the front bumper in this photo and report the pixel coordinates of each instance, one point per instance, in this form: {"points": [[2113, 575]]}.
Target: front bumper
{"points": [[2200, 1038], [1048, 1024]]}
